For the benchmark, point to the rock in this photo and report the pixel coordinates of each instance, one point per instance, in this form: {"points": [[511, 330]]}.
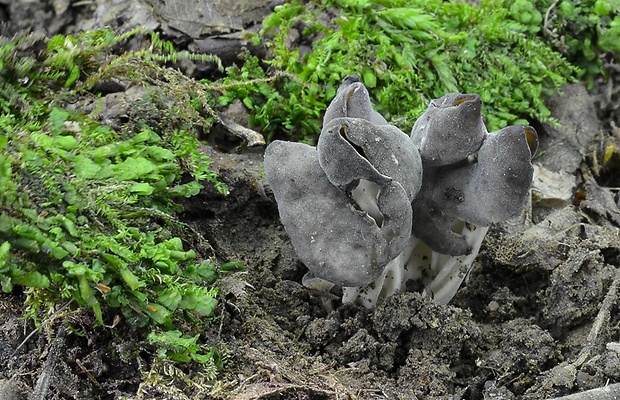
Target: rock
{"points": [[205, 26], [228, 46], [119, 14], [12, 390], [207, 17], [563, 147], [552, 189]]}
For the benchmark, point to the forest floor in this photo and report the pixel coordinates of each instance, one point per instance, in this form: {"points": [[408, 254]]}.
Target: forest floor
{"points": [[538, 317]]}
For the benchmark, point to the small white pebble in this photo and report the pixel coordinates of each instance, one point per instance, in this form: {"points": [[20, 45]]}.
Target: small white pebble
{"points": [[615, 346], [493, 306]]}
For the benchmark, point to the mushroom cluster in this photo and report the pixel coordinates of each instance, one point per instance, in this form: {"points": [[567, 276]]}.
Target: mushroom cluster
{"points": [[372, 211]]}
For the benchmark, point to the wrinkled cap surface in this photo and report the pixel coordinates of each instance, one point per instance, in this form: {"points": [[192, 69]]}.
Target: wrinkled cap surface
{"points": [[492, 189], [450, 129], [433, 221], [502, 176], [351, 149], [335, 240]]}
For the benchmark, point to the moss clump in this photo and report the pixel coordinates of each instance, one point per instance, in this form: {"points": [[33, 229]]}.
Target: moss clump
{"points": [[410, 51], [87, 211], [586, 32]]}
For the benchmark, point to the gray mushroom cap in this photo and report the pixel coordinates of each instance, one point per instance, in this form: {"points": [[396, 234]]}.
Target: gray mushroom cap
{"points": [[450, 129], [432, 221], [502, 177], [351, 149], [351, 205], [352, 100], [336, 241], [494, 188], [330, 226], [356, 142]]}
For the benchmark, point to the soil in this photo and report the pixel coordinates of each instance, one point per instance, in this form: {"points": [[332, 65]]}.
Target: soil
{"points": [[538, 317]]}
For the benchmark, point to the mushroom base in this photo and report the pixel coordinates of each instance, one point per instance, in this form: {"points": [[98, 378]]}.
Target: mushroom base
{"points": [[416, 268]]}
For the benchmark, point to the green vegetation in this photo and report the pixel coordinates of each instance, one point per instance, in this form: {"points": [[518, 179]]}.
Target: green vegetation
{"points": [[586, 32], [410, 51], [87, 211]]}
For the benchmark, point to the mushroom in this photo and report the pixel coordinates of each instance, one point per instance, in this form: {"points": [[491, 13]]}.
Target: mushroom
{"points": [[450, 129], [351, 149], [374, 212], [452, 213], [346, 204], [353, 100], [489, 186], [335, 240]]}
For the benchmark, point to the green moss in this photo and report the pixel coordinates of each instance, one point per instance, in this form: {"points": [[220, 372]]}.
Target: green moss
{"points": [[511, 52], [87, 211], [586, 32]]}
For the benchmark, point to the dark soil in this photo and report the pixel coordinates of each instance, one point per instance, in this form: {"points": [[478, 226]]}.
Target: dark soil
{"points": [[538, 318]]}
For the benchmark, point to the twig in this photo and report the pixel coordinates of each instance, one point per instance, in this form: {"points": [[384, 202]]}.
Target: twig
{"points": [[43, 383], [273, 77], [546, 23], [601, 317], [87, 372], [610, 392], [603, 393], [251, 136], [43, 324]]}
